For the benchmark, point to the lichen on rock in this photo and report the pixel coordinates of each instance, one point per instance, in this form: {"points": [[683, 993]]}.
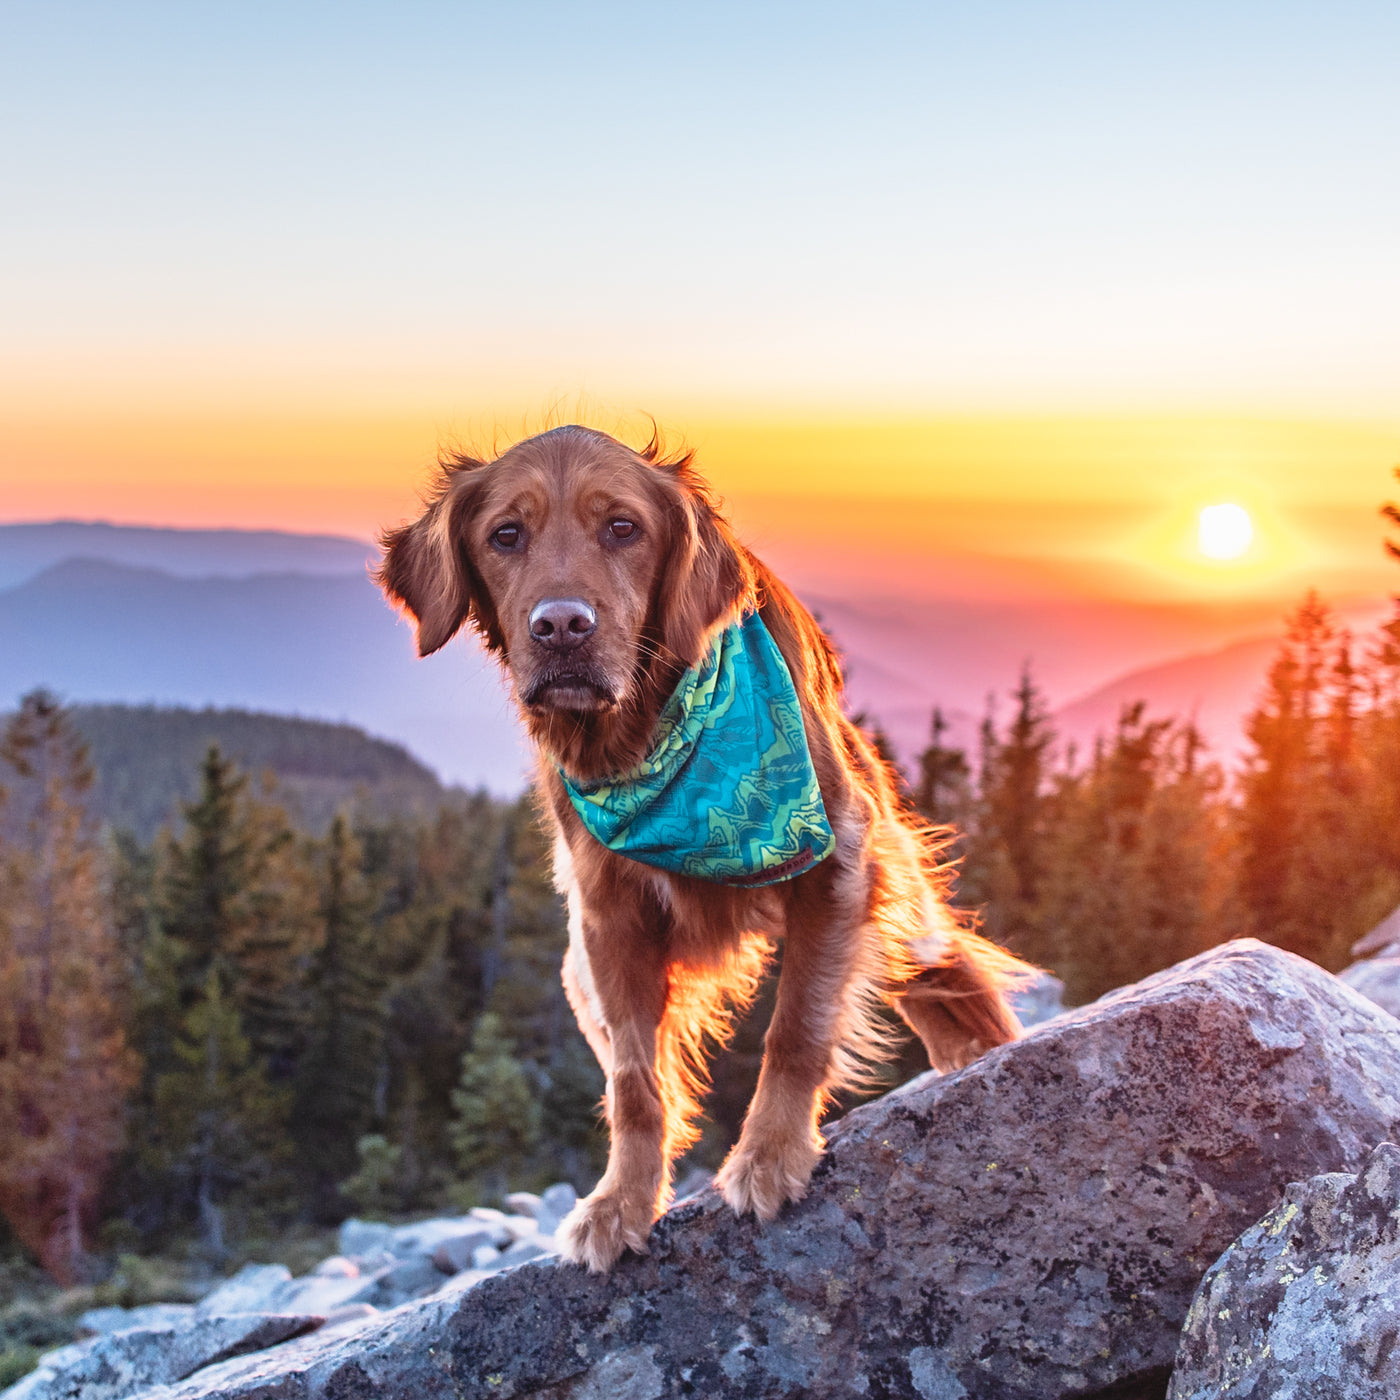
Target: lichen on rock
{"points": [[1305, 1304]]}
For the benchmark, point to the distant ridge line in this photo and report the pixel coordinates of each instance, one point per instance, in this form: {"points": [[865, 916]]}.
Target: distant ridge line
{"points": [[269, 531]]}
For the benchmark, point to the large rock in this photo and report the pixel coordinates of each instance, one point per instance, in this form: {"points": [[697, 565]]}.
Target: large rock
{"points": [[1305, 1304], [1031, 1227], [1383, 941], [1378, 979], [1039, 1000], [115, 1365]]}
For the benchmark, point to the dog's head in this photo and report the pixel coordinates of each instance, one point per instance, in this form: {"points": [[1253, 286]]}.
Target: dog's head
{"points": [[596, 573]]}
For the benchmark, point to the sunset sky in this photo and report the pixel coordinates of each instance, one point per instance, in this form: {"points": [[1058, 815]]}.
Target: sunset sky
{"points": [[1001, 281]]}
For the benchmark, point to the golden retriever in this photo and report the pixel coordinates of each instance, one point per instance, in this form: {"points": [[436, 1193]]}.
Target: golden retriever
{"points": [[599, 575]]}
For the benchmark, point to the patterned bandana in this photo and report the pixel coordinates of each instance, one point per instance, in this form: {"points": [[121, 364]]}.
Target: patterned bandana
{"points": [[728, 792]]}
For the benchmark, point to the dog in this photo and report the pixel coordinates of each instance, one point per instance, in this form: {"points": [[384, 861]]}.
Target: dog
{"points": [[607, 582]]}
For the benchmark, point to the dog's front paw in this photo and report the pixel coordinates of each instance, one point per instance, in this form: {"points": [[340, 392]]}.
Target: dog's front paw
{"points": [[600, 1227], [761, 1177]]}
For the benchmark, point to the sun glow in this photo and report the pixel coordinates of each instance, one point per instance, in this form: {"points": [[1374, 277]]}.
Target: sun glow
{"points": [[1224, 531]]}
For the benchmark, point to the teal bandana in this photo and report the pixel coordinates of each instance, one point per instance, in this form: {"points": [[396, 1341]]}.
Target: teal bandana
{"points": [[728, 792]]}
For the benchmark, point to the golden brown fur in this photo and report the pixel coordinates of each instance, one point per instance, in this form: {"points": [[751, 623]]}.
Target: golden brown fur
{"points": [[658, 963]]}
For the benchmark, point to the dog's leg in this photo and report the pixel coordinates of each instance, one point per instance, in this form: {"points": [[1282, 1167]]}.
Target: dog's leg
{"points": [[627, 964], [953, 993], [780, 1142], [958, 1006], [593, 1031], [577, 976]]}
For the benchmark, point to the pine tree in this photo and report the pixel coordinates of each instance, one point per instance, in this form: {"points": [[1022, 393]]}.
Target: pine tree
{"points": [[571, 1120], [235, 890], [65, 1066], [1378, 752], [1134, 876], [340, 1072], [942, 791], [375, 1186], [497, 1123], [1391, 512], [1306, 849], [222, 1126], [1006, 848], [439, 879], [234, 919]]}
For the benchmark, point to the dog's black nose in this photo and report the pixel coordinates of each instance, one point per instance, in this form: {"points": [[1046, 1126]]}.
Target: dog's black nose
{"points": [[562, 623]]}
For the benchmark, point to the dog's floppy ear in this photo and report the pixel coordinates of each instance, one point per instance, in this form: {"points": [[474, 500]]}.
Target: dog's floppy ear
{"points": [[708, 579], [426, 567]]}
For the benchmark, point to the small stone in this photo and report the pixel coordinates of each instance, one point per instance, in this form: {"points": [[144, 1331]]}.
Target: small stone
{"points": [[361, 1238], [1039, 1000], [696, 1180], [409, 1278], [337, 1266], [555, 1203], [99, 1321], [523, 1250], [351, 1312], [1378, 979], [425, 1235], [314, 1293], [454, 1255], [379, 1259], [524, 1203], [520, 1227], [484, 1256], [252, 1289]]}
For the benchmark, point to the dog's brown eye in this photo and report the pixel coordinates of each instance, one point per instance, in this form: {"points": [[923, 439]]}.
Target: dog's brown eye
{"points": [[507, 537], [622, 529]]}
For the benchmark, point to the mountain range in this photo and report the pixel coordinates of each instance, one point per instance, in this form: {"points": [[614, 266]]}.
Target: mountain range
{"points": [[292, 624]]}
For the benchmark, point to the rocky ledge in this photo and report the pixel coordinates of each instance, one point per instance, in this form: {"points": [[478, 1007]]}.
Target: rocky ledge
{"points": [[1032, 1226]]}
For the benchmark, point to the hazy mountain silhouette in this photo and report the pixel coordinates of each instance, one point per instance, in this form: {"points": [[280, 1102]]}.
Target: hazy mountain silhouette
{"points": [[291, 624], [326, 647], [1217, 689], [905, 656], [28, 549]]}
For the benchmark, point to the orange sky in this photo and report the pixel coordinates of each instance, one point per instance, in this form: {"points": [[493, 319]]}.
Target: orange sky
{"points": [[1095, 503]]}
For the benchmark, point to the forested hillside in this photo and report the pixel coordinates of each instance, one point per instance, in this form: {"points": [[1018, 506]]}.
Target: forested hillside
{"points": [[146, 762], [244, 1024], [323, 645]]}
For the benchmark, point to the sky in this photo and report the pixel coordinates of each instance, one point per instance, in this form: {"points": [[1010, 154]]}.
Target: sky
{"points": [[259, 261]]}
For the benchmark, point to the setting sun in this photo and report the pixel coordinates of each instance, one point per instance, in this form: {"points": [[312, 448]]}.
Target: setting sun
{"points": [[1224, 531]]}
